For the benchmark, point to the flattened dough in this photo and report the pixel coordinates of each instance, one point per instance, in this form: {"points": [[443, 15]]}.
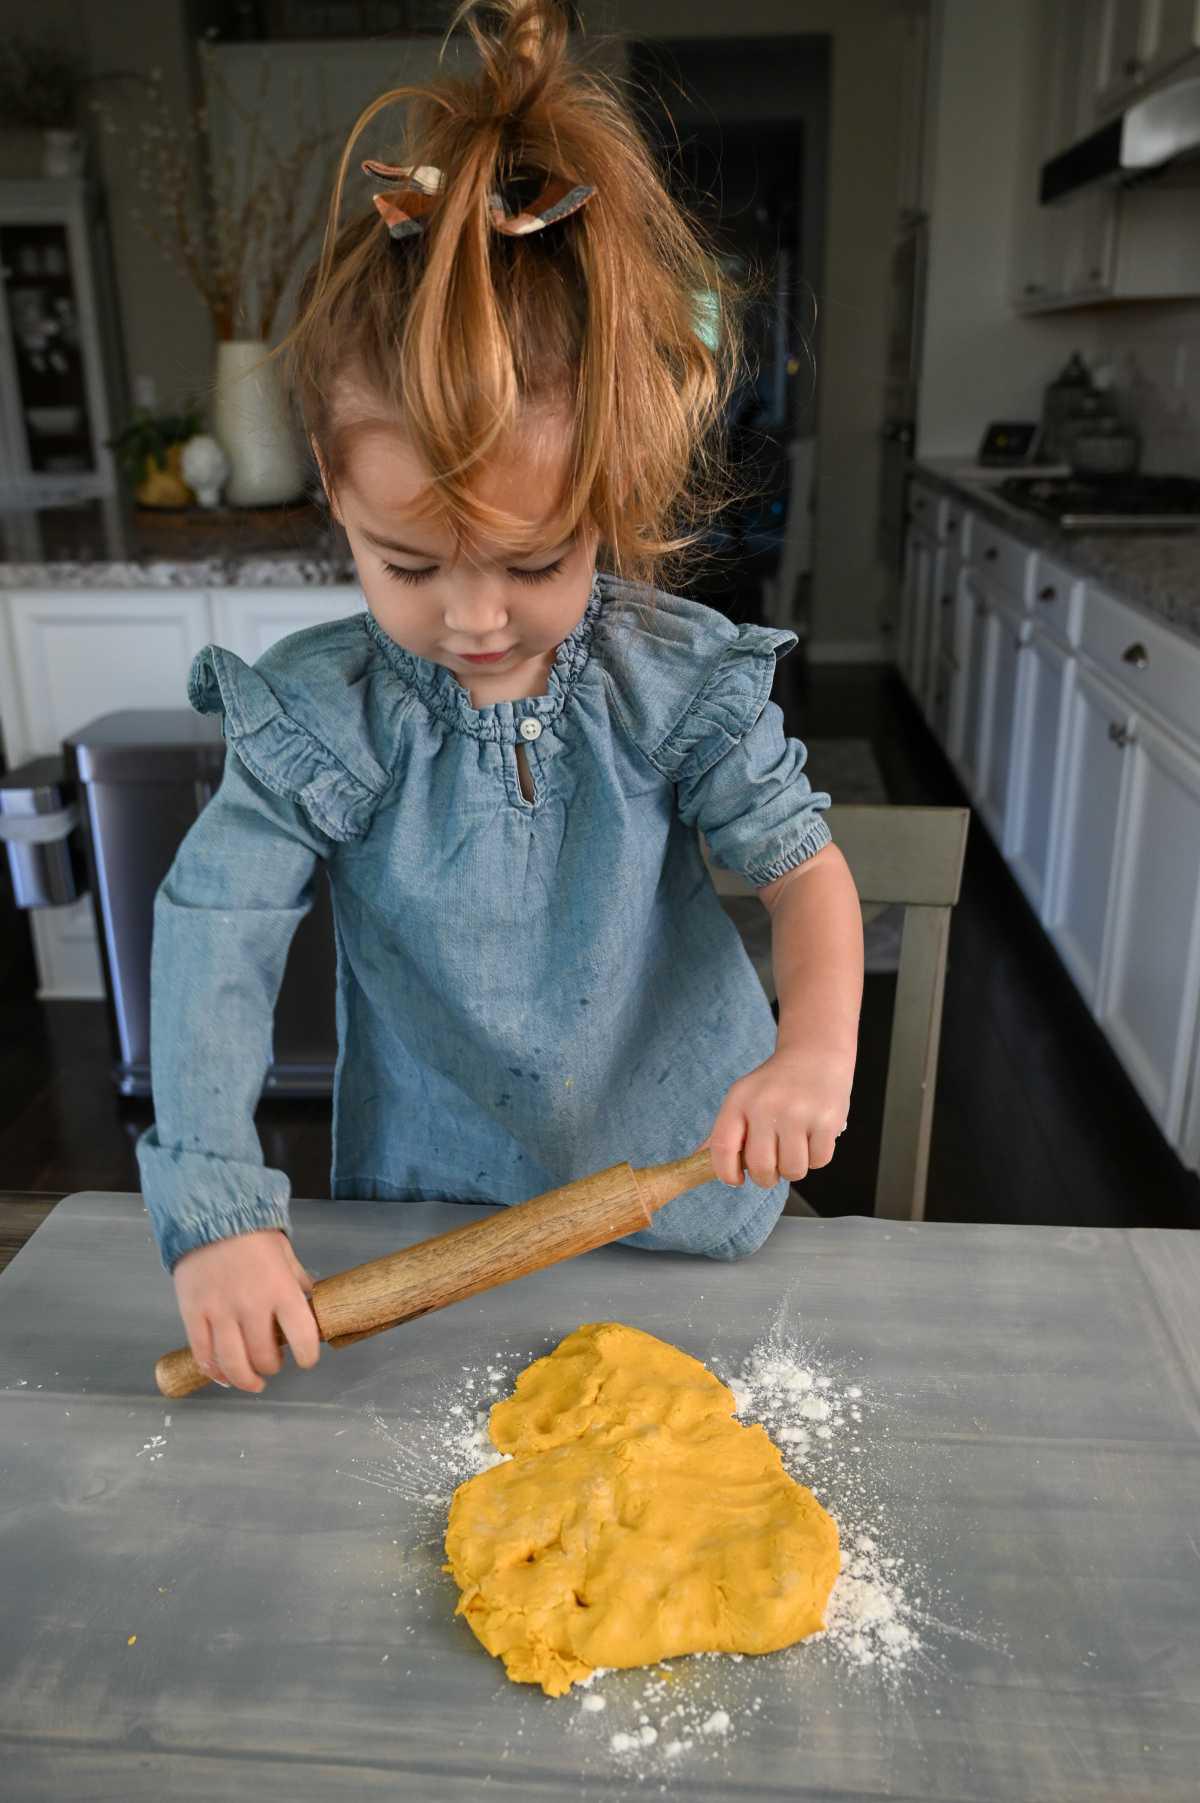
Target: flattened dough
{"points": [[636, 1520]]}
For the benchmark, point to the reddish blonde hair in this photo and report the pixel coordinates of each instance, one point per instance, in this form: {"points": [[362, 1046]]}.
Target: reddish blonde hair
{"points": [[456, 333]]}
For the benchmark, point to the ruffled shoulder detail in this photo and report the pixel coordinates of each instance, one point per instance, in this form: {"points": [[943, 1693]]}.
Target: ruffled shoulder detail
{"points": [[283, 754], [688, 683]]}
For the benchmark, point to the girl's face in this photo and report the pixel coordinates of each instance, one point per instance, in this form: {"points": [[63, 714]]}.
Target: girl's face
{"points": [[451, 605]]}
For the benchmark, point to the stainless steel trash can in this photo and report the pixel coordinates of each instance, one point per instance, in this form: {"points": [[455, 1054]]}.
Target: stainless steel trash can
{"points": [[143, 778], [39, 817]]}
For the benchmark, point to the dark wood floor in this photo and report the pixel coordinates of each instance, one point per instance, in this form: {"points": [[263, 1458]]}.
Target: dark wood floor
{"points": [[1035, 1121]]}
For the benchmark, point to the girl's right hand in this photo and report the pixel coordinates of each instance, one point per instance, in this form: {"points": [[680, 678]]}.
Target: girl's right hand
{"points": [[230, 1295]]}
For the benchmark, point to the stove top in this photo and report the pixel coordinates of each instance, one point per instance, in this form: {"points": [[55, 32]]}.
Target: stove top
{"points": [[1109, 503]]}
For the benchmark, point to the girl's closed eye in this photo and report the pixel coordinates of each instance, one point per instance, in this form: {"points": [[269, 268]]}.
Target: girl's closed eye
{"points": [[399, 573]]}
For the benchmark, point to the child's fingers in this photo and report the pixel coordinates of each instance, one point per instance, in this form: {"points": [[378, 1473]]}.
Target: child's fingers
{"points": [[795, 1154], [303, 1278], [821, 1147], [200, 1339], [230, 1349], [726, 1140], [299, 1325], [262, 1344], [762, 1155]]}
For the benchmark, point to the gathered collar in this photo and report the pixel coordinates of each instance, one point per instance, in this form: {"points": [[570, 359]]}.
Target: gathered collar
{"points": [[445, 696]]}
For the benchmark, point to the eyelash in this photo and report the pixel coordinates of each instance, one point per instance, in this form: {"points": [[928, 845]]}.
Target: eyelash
{"points": [[413, 577]]}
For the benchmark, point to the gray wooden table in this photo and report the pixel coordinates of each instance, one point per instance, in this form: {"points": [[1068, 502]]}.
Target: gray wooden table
{"points": [[1033, 1435]]}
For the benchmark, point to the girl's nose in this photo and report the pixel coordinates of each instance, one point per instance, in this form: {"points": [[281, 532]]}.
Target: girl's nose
{"points": [[478, 607]]}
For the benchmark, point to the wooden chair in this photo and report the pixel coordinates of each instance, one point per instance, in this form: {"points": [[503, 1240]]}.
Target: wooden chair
{"points": [[912, 857]]}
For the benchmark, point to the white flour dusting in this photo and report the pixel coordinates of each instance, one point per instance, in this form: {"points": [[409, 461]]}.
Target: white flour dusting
{"points": [[667, 1719]]}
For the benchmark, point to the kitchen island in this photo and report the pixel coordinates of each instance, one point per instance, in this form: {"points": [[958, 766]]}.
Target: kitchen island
{"points": [[102, 609]]}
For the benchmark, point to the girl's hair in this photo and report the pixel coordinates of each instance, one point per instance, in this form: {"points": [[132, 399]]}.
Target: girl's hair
{"points": [[453, 334]]}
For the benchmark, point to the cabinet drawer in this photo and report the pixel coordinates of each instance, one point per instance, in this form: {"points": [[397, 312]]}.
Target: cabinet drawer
{"points": [[1003, 560], [1056, 599], [1157, 669]]}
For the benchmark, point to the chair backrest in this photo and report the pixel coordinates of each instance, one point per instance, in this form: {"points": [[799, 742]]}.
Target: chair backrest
{"points": [[912, 857]]}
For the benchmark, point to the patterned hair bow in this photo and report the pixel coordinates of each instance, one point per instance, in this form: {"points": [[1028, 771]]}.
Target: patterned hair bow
{"points": [[405, 208]]}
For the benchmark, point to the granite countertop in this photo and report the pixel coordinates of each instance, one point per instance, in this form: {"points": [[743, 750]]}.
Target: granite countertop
{"points": [[1158, 572], [108, 543]]}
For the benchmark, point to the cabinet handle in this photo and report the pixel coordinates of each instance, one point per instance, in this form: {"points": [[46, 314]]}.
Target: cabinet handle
{"points": [[1120, 735], [1017, 644], [991, 554], [947, 600], [1049, 593], [951, 523], [1034, 287], [980, 610], [1137, 655], [1133, 65]]}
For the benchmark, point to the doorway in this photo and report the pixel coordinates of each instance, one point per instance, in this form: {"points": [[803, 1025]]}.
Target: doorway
{"points": [[741, 129]]}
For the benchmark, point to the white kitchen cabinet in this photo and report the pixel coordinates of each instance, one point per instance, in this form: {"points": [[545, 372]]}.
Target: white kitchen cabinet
{"points": [[249, 621], [939, 612], [72, 655], [941, 696], [1087, 227], [1088, 60], [78, 653], [67, 656], [1073, 721], [1047, 678], [970, 678], [947, 570], [1003, 645], [1093, 776], [1140, 41], [915, 619], [1121, 68], [1170, 34], [1151, 988]]}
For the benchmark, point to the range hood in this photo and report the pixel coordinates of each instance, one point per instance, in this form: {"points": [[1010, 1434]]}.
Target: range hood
{"points": [[1156, 130]]}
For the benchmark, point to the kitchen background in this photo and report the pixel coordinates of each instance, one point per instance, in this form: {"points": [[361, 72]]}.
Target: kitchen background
{"points": [[881, 161]]}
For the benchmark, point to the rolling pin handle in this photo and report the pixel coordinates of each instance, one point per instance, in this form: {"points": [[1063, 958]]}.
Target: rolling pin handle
{"points": [[177, 1374]]}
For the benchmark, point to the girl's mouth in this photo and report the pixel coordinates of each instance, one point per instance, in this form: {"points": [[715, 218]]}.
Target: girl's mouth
{"points": [[487, 657]]}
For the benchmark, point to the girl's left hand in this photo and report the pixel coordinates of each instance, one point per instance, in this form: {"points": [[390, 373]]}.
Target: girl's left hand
{"points": [[781, 1120]]}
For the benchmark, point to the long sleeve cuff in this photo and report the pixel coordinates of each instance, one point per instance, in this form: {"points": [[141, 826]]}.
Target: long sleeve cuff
{"points": [[194, 1198]]}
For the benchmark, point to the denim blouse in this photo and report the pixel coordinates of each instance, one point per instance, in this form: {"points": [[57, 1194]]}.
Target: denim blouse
{"points": [[527, 991]]}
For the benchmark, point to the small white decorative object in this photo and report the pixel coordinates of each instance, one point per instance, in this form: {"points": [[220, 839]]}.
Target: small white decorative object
{"points": [[204, 467], [62, 152]]}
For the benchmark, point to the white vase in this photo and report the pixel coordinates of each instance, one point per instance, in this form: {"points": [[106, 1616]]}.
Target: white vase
{"points": [[252, 425], [62, 152]]}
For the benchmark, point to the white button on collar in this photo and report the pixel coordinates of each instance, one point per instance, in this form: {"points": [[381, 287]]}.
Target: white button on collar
{"points": [[530, 729]]}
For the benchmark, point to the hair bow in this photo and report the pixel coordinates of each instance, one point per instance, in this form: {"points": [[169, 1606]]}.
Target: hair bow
{"points": [[405, 208]]}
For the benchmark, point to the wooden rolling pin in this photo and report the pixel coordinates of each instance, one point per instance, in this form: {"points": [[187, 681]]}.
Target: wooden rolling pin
{"points": [[511, 1243]]}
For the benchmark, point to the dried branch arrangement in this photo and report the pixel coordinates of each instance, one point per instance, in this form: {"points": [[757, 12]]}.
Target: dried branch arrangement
{"points": [[232, 225]]}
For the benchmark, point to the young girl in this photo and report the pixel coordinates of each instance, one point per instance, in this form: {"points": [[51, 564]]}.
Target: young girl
{"points": [[504, 763]]}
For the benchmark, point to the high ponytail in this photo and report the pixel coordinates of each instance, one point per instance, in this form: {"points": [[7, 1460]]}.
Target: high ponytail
{"points": [[453, 334]]}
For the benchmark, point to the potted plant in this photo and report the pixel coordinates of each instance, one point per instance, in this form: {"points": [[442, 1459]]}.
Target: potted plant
{"points": [[148, 451], [40, 82]]}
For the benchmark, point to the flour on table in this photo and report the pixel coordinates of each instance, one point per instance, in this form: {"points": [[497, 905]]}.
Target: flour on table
{"points": [[701, 1710]]}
